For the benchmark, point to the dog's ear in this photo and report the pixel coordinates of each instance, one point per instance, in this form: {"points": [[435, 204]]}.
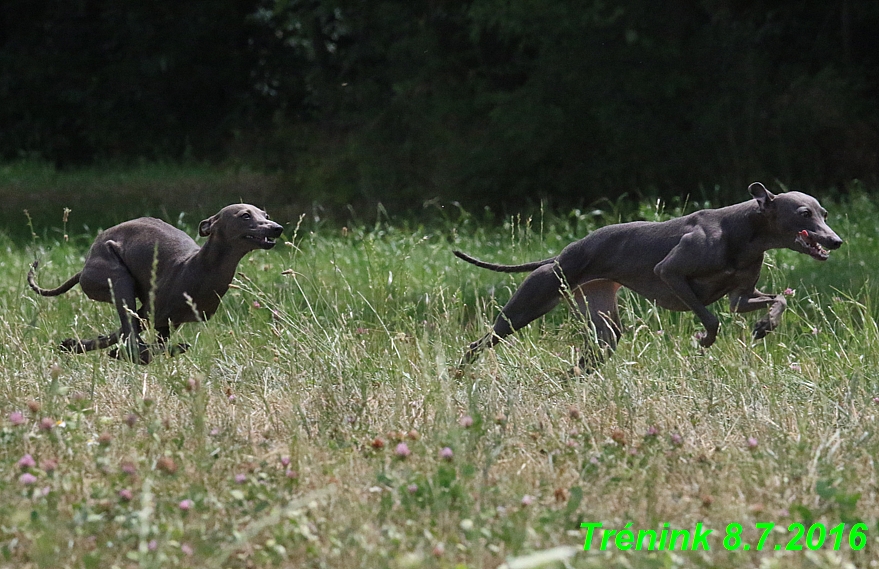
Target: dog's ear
{"points": [[763, 196], [204, 228]]}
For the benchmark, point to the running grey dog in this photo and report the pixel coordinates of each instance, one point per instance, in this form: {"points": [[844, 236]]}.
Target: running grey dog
{"points": [[681, 264], [175, 280]]}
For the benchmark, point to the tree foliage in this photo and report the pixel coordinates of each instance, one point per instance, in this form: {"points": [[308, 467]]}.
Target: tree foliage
{"points": [[477, 99]]}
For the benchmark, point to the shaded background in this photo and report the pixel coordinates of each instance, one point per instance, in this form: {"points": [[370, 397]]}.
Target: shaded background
{"points": [[499, 102]]}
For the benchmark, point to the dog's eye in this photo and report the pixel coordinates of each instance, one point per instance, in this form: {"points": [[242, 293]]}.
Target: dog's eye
{"points": [[245, 215], [806, 213]]}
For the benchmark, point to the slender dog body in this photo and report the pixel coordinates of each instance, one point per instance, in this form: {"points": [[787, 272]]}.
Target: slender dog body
{"points": [[682, 264], [175, 280]]}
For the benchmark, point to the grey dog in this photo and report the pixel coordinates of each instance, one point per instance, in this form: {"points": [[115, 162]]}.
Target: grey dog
{"points": [[681, 264], [175, 280]]}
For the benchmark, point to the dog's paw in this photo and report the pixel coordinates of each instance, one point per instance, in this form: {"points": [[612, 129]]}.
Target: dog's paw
{"points": [[704, 338], [137, 354], [71, 346], [761, 328], [178, 349]]}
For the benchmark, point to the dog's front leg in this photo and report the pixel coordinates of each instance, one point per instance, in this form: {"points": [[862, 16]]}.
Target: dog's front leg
{"points": [[742, 302], [687, 258]]}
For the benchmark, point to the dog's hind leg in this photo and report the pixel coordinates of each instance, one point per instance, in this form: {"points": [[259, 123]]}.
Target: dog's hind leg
{"points": [[538, 294], [77, 346], [162, 347], [597, 300], [120, 289]]}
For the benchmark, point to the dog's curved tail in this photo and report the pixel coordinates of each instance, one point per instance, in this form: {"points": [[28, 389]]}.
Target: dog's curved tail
{"points": [[523, 268], [69, 284]]}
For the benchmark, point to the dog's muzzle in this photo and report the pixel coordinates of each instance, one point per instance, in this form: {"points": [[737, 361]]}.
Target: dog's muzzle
{"points": [[815, 249]]}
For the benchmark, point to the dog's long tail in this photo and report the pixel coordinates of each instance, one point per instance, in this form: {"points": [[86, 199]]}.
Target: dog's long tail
{"points": [[524, 268], [69, 284]]}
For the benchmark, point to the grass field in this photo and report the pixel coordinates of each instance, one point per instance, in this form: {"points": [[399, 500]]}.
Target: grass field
{"points": [[316, 421]]}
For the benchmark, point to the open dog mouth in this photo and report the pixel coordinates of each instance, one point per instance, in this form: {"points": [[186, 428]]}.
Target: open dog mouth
{"points": [[261, 241], [816, 251]]}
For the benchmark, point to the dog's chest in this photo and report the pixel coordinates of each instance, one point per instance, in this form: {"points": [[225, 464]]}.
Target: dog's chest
{"points": [[713, 286]]}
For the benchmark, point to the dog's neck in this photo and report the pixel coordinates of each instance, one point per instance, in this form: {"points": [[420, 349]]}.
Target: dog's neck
{"points": [[216, 264], [756, 233]]}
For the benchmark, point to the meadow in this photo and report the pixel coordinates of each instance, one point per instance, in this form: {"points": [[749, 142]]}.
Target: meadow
{"points": [[317, 420]]}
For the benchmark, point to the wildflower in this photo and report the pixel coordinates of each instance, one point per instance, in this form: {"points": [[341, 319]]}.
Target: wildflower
{"points": [[54, 371], [126, 495], [27, 461], [527, 500], [378, 443], [129, 468], [466, 421], [47, 424], [574, 413], [240, 478], [395, 436], [34, 406], [186, 549], [652, 432], [412, 488], [256, 304], [16, 418], [185, 505], [413, 435], [561, 495], [48, 465], [439, 549], [105, 439], [27, 479], [214, 432], [130, 420], [292, 474], [796, 367], [619, 437], [789, 291], [152, 545], [676, 439], [166, 464], [466, 524], [402, 450], [285, 461], [446, 453], [752, 443]]}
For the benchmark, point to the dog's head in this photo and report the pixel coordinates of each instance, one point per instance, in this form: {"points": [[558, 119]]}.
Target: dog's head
{"points": [[242, 225], [797, 221]]}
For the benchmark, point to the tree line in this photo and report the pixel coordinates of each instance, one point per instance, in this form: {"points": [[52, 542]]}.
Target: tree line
{"points": [[484, 100]]}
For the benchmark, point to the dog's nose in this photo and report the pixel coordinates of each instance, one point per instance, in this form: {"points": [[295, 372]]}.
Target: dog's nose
{"points": [[834, 242], [276, 229]]}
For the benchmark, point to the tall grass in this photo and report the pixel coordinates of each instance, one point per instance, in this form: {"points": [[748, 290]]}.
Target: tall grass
{"points": [[317, 420]]}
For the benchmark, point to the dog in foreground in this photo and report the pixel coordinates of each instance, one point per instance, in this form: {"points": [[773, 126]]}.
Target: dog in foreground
{"points": [[174, 279], [682, 264]]}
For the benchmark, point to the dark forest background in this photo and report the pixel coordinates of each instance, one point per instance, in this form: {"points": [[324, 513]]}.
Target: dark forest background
{"points": [[485, 100]]}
